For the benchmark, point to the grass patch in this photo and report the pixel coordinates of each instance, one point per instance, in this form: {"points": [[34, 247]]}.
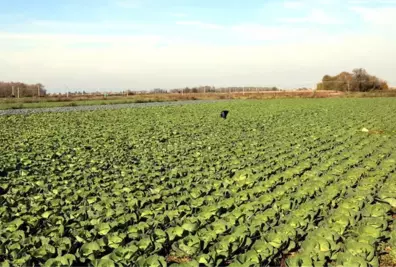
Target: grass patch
{"points": [[19, 106]]}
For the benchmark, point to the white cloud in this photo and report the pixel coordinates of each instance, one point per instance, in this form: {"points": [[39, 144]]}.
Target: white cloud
{"points": [[201, 25], [67, 39], [378, 15], [131, 62], [179, 15], [358, 2], [269, 33], [12, 16], [55, 24], [316, 16], [326, 2], [295, 59], [129, 3], [293, 4], [259, 32]]}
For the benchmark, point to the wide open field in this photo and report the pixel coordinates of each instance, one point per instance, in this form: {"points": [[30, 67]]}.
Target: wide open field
{"points": [[77, 101], [291, 181]]}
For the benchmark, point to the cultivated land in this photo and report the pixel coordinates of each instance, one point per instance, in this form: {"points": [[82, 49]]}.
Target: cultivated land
{"points": [[26, 111], [78, 100], [292, 181]]}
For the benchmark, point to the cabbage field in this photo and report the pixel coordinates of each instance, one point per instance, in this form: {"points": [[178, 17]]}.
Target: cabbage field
{"points": [[279, 182]]}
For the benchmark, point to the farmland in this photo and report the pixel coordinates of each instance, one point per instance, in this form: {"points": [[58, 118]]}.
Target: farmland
{"points": [[291, 181], [76, 100]]}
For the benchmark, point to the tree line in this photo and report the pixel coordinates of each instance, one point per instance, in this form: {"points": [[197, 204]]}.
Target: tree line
{"points": [[185, 90], [212, 89], [18, 89], [357, 81]]}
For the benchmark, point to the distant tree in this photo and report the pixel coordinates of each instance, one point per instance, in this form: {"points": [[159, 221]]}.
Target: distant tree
{"points": [[158, 91], [359, 80], [10, 89]]}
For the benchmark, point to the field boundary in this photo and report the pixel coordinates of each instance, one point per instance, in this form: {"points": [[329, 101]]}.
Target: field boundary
{"points": [[72, 101], [27, 111]]}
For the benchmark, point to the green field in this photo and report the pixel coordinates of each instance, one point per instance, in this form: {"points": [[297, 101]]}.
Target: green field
{"points": [[22, 104], [290, 181]]}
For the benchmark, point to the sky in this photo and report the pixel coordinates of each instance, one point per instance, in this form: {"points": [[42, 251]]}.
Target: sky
{"points": [[145, 44]]}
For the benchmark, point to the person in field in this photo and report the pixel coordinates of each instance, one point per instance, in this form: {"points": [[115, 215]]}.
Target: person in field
{"points": [[224, 114]]}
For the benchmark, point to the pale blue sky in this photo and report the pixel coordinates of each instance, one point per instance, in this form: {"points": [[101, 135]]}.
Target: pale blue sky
{"points": [[144, 44]]}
